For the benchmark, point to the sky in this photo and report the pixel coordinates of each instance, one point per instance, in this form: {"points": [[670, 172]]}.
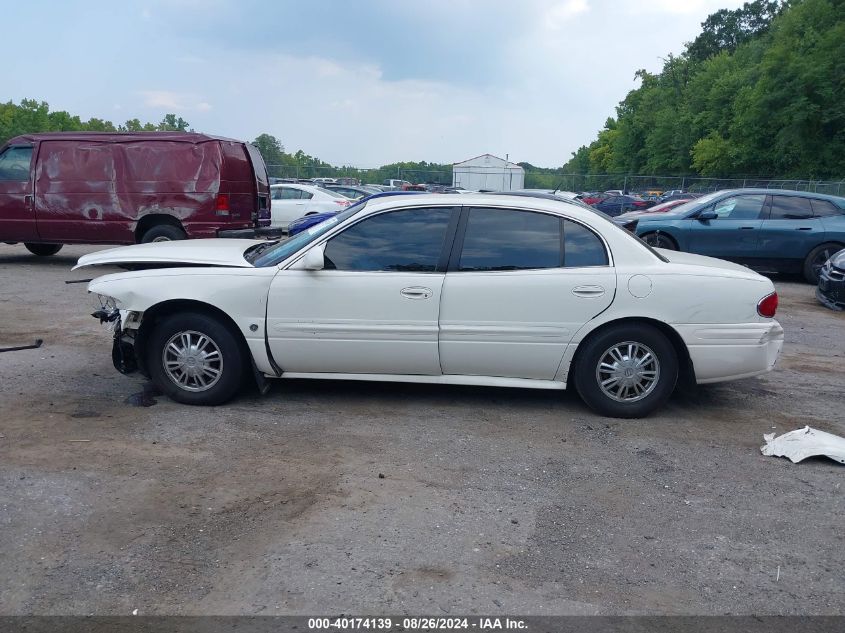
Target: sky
{"points": [[360, 83]]}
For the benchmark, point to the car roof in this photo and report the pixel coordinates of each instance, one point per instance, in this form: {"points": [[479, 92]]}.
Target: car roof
{"points": [[782, 192], [121, 137]]}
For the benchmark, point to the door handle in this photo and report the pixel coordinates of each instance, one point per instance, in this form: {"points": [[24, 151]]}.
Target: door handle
{"points": [[588, 291], [27, 200], [804, 228], [416, 292], [746, 228]]}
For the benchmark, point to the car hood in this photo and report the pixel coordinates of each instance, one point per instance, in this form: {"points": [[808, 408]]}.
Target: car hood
{"points": [[211, 252], [660, 216]]}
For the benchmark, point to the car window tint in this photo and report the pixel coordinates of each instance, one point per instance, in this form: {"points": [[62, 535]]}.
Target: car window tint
{"points": [[740, 207], [582, 247], [825, 208], [506, 239], [306, 195], [790, 208], [401, 241], [14, 163]]}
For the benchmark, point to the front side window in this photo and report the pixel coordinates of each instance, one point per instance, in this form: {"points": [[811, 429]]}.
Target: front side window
{"points": [[410, 240], [790, 208], [740, 207], [507, 239], [14, 163]]}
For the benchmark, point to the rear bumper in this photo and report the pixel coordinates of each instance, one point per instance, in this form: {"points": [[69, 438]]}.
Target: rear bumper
{"points": [[732, 351], [263, 232]]}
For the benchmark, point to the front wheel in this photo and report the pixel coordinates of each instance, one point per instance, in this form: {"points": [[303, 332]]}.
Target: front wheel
{"points": [[195, 359], [42, 250], [626, 371], [659, 240], [816, 259]]}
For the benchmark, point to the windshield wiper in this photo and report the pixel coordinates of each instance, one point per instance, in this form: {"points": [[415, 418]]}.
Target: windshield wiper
{"points": [[254, 251]]}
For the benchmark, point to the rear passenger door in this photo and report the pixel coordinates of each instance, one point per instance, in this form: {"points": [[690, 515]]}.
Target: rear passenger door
{"points": [[519, 285], [790, 231]]}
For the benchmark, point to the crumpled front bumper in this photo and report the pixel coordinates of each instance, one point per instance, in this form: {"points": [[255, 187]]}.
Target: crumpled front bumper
{"points": [[831, 290]]}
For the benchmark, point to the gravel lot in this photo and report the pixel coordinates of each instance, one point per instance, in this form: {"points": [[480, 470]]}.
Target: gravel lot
{"points": [[327, 497]]}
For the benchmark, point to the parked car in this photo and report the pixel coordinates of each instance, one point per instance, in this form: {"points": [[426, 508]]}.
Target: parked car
{"points": [[306, 222], [671, 193], [107, 188], [351, 192], [831, 289], [394, 184], [567, 195], [506, 291], [291, 201], [663, 207], [680, 196], [617, 205], [592, 197], [769, 230]]}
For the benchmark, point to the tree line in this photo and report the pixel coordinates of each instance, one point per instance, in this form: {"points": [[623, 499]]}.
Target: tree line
{"points": [[759, 92]]}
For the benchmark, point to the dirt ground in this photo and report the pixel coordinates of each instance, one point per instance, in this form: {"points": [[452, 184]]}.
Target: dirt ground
{"points": [[326, 497]]}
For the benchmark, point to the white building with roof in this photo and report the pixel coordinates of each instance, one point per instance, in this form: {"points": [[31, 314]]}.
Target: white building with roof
{"points": [[488, 172]]}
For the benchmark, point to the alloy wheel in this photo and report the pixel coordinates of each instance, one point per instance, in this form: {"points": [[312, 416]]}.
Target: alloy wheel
{"points": [[628, 372], [192, 360]]}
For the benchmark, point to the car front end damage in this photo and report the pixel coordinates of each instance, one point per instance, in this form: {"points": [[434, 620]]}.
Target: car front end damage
{"points": [[831, 289], [124, 325]]}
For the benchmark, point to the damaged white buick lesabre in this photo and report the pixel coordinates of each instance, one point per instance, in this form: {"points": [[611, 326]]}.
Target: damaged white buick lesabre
{"points": [[495, 290]]}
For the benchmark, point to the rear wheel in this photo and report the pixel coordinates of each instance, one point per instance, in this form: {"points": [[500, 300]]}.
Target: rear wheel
{"points": [[626, 371], [43, 250], [660, 240], [195, 359], [816, 259], [163, 233]]}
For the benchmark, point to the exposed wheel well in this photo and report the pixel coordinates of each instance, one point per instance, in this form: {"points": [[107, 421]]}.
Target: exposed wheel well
{"points": [[686, 371], [154, 219], [164, 309]]}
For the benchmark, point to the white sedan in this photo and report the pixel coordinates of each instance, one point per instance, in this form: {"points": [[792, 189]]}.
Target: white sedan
{"points": [[500, 290], [292, 201]]}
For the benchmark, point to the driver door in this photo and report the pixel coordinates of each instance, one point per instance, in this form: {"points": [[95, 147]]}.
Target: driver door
{"points": [[17, 212], [733, 234], [374, 307]]}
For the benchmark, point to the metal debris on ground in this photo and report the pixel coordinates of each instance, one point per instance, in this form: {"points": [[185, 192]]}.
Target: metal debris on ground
{"points": [[36, 345], [803, 443]]}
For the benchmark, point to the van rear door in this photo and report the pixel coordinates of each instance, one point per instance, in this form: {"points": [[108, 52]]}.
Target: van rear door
{"points": [[17, 215], [262, 186]]}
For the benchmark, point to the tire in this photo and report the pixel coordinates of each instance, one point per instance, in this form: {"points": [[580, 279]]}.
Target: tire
{"points": [[660, 240], [816, 259], [163, 233], [42, 250], [183, 379], [616, 347]]}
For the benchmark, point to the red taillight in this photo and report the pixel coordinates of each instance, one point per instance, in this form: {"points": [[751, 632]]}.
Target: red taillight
{"points": [[221, 207], [343, 203], [768, 305]]}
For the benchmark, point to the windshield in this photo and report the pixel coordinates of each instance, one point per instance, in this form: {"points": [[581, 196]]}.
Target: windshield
{"points": [[694, 204], [272, 253]]}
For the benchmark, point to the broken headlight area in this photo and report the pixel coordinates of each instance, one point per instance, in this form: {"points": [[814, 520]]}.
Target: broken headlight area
{"points": [[105, 309]]}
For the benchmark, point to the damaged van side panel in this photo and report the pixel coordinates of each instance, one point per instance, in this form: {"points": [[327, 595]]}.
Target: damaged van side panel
{"points": [[112, 188]]}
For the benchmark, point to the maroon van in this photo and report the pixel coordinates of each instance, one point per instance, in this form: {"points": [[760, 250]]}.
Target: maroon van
{"points": [[108, 188]]}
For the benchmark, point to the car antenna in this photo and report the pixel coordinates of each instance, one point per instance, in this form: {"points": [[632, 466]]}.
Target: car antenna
{"points": [[559, 185]]}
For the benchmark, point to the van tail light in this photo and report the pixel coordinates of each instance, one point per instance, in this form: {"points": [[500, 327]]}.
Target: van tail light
{"points": [[768, 305], [221, 207]]}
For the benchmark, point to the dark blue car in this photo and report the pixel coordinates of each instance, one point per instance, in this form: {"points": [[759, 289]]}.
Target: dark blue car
{"points": [[767, 230]]}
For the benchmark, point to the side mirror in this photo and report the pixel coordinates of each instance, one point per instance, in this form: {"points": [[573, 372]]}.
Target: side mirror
{"points": [[313, 259], [707, 215]]}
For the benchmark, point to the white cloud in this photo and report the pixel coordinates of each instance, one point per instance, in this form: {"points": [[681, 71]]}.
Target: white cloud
{"points": [[561, 12], [174, 101]]}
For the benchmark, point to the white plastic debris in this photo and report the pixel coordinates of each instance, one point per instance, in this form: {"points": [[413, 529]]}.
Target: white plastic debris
{"points": [[803, 443]]}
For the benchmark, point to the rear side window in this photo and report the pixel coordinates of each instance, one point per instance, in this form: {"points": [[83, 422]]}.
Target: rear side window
{"points": [[790, 208], [285, 193], [506, 239], [14, 163], [410, 240], [582, 247], [825, 209]]}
